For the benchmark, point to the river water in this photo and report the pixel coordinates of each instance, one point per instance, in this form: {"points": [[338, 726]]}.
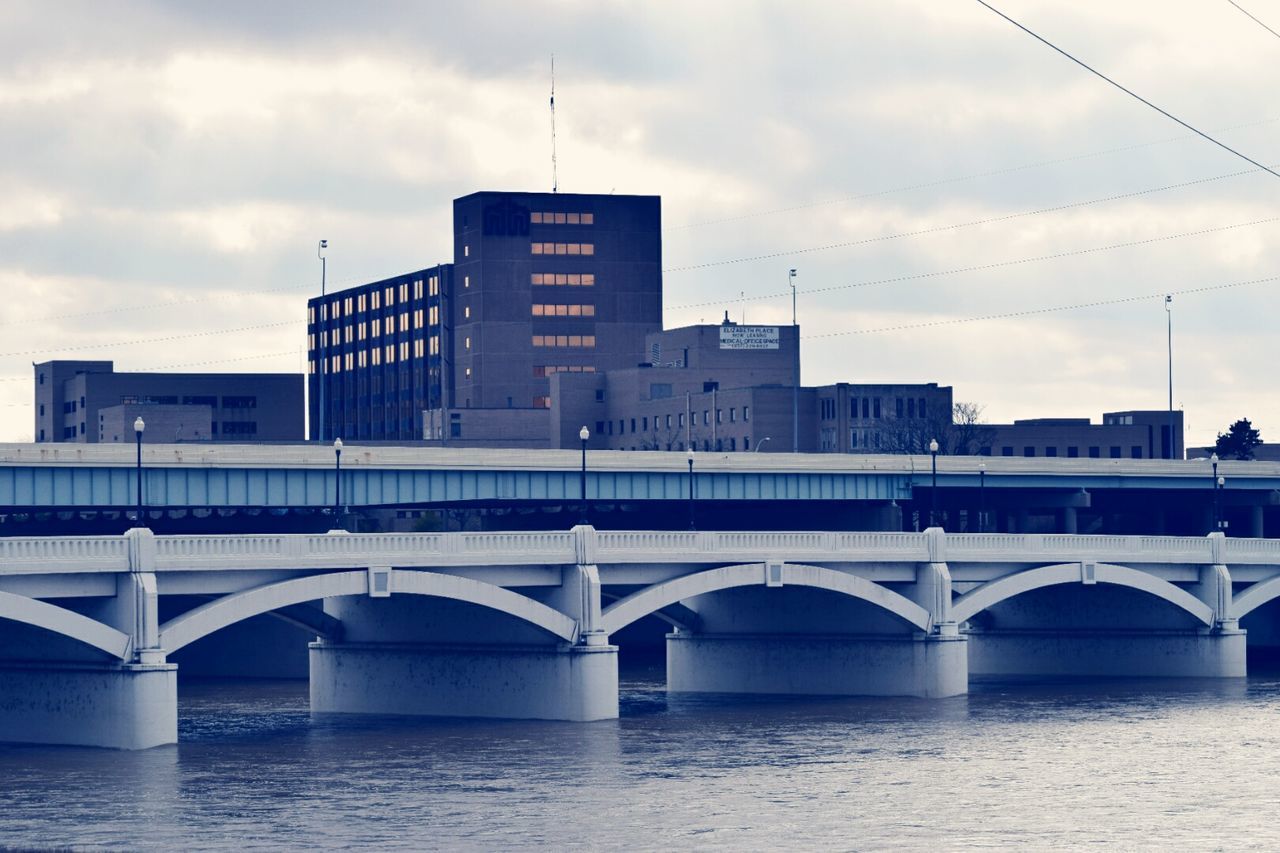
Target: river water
{"points": [[1140, 765]]}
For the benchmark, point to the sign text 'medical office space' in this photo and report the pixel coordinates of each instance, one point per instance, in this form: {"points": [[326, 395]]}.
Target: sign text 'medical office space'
{"points": [[748, 337]]}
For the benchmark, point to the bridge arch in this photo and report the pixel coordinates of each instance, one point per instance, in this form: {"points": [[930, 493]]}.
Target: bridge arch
{"points": [[993, 592], [228, 610], [68, 623], [1255, 596], [654, 598]]}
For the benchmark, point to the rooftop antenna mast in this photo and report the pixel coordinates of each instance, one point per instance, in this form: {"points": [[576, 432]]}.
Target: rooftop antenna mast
{"points": [[555, 184]]}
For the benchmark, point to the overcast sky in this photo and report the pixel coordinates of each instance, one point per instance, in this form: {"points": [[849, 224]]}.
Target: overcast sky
{"points": [[168, 167]]}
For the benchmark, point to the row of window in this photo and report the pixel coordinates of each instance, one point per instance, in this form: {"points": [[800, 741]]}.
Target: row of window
{"points": [[1113, 452], [545, 310], [563, 248], [586, 341], [563, 279], [346, 306], [904, 407], [540, 370], [541, 217], [719, 445], [677, 421]]}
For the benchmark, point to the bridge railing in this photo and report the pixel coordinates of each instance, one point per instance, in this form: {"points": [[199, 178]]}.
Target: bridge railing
{"points": [[42, 554], [525, 548]]}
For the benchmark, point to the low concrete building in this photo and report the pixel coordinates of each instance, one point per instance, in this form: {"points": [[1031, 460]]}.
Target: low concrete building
{"points": [[1139, 434], [88, 402]]}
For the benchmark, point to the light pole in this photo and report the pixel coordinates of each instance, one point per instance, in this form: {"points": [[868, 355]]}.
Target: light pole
{"points": [[761, 442], [1168, 313], [583, 434], [982, 497], [337, 482], [1213, 484], [692, 526], [1217, 512], [933, 490], [795, 386], [138, 427], [322, 326]]}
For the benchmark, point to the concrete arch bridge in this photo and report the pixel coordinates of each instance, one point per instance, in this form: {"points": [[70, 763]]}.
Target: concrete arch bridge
{"points": [[522, 624]]}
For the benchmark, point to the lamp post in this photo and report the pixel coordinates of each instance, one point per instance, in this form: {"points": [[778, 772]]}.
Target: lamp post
{"points": [[1169, 322], [795, 386], [583, 434], [138, 427], [982, 497], [322, 325], [933, 490], [337, 482], [1213, 484], [1220, 485], [760, 443], [692, 526]]}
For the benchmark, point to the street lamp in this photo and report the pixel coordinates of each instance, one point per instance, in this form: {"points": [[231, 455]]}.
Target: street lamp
{"points": [[337, 482], [982, 497], [138, 427], [1168, 313], [322, 327], [583, 434], [760, 443], [933, 491], [795, 385], [1217, 514], [1213, 484], [692, 526]]}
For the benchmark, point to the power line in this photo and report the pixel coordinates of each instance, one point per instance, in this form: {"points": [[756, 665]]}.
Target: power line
{"points": [[1008, 315], [1255, 20], [1129, 92], [164, 339], [992, 265], [955, 226], [956, 179], [203, 363]]}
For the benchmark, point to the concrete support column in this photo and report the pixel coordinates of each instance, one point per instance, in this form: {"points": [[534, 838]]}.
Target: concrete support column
{"points": [[1069, 524], [119, 706], [906, 665], [1256, 521], [1023, 522], [561, 682]]}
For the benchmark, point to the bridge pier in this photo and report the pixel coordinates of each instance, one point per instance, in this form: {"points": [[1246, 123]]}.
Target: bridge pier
{"points": [[832, 665], [119, 706], [578, 682], [1218, 653]]}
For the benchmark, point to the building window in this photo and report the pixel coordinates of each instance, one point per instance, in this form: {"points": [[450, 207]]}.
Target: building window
{"points": [[466, 342], [898, 407], [239, 428], [1051, 451], [1115, 452], [599, 427], [542, 402], [466, 251], [1006, 451], [1135, 452], [239, 402], [1073, 452], [545, 310], [466, 281], [560, 279], [875, 408], [466, 312], [538, 217], [587, 341], [746, 413], [1028, 451], [563, 248]]}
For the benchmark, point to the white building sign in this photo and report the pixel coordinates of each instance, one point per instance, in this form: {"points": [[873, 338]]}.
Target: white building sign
{"points": [[748, 337]]}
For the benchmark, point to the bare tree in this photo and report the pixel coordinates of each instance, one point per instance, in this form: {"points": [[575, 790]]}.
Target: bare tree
{"points": [[959, 433]]}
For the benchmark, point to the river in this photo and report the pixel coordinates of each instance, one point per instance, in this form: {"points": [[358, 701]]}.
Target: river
{"points": [[1133, 765]]}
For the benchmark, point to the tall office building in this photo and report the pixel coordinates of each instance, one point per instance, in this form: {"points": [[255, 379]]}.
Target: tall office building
{"points": [[542, 283], [382, 351]]}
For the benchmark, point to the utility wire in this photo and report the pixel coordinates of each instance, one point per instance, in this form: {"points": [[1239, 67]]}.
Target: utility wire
{"points": [[958, 225], [1008, 315], [1130, 92], [1255, 20], [956, 179], [987, 266], [164, 339]]}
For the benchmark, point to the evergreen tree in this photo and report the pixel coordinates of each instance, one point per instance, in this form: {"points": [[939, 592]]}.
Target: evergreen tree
{"points": [[1238, 441]]}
